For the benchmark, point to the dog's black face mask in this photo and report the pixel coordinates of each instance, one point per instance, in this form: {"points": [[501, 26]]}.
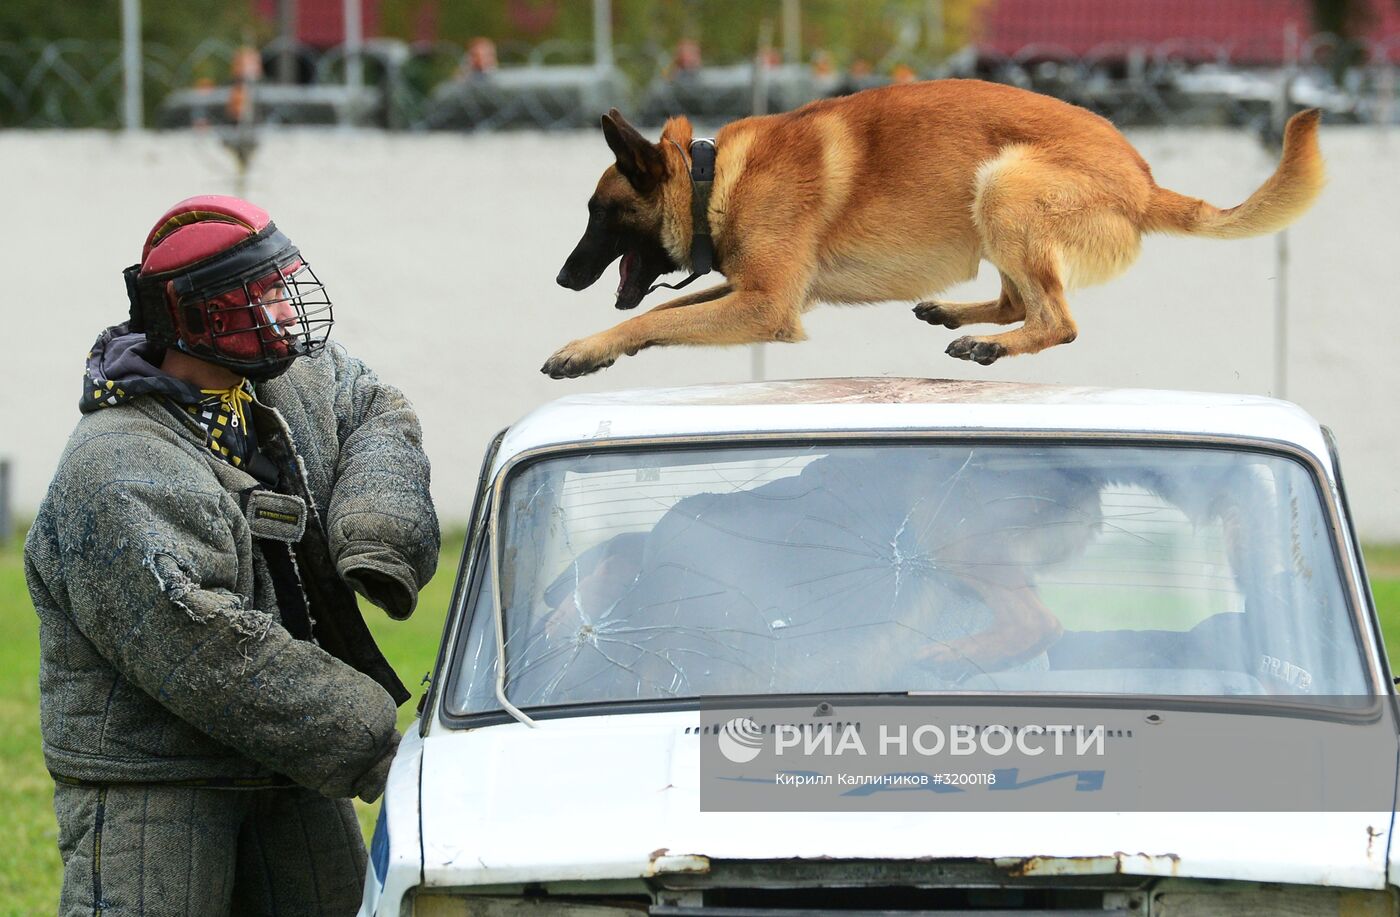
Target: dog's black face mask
{"points": [[605, 241], [624, 219]]}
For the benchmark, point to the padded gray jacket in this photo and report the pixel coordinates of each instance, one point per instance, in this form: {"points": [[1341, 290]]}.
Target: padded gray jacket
{"points": [[164, 655]]}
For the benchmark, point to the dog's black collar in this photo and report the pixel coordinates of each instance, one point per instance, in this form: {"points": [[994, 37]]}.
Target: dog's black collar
{"points": [[702, 180]]}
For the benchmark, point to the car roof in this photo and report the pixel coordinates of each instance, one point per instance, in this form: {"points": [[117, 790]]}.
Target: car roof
{"points": [[894, 405]]}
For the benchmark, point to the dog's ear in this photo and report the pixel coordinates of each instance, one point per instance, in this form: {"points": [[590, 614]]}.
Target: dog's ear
{"points": [[678, 131], [639, 160]]}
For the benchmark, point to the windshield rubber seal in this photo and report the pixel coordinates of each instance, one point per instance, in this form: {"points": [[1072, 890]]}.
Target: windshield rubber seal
{"points": [[470, 551]]}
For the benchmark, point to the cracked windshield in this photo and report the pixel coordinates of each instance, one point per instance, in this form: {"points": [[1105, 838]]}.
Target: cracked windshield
{"points": [[896, 568]]}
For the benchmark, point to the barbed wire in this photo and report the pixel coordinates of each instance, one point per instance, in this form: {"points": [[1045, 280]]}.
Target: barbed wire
{"points": [[554, 85]]}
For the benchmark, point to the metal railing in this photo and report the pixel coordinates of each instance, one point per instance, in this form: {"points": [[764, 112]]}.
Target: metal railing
{"points": [[441, 86]]}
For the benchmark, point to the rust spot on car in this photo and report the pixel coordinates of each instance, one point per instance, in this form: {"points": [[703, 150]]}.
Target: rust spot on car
{"points": [[661, 862], [1119, 862]]}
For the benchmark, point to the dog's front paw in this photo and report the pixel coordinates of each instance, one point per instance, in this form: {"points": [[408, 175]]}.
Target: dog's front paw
{"points": [[969, 348], [935, 314], [574, 360]]}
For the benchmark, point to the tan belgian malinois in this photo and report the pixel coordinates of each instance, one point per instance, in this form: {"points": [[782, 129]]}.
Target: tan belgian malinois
{"points": [[895, 193]]}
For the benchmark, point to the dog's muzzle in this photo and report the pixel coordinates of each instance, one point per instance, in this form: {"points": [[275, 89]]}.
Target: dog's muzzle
{"points": [[581, 276]]}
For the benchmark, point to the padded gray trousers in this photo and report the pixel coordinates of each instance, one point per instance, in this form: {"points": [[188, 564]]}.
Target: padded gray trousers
{"points": [[157, 850]]}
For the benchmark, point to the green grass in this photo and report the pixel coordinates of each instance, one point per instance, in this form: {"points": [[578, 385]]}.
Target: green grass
{"points": [[1387, 593], [30, 870]]}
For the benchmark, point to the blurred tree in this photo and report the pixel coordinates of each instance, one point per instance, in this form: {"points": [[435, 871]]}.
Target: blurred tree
{"points": [[727, 30], [87, 95], [179, 25]]}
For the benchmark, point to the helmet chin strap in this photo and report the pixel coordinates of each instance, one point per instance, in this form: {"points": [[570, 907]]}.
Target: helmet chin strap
{"points": [[702, 180]]}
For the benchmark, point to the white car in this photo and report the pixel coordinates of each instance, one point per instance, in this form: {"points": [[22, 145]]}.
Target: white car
{"points": [[1177, 567]]}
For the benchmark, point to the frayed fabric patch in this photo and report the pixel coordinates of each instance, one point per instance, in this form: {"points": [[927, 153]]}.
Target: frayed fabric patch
{"points": [[203, 606]]}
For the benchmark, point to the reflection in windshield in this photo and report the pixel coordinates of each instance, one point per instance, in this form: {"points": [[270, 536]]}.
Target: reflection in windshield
{"points": [[901, 568]]}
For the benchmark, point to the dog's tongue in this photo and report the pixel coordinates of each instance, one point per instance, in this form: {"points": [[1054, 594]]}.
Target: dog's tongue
{"points": [[629, 261]]}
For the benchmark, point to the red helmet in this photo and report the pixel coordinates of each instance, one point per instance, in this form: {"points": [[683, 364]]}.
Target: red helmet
{"points": [[220, 282]]}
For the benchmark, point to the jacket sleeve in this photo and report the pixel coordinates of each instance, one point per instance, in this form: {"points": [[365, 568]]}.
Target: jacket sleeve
{"points": [[151, 572], [381, 524]]}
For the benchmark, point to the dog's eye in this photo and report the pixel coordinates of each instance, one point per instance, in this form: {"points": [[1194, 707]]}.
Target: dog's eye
{"points": [[612, 214]]}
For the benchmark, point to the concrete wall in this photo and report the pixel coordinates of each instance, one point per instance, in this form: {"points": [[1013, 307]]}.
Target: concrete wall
{"points": [[441, 251]]}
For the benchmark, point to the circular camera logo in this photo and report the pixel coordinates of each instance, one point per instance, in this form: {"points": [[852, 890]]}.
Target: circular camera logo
{"points": [[740, 740]]}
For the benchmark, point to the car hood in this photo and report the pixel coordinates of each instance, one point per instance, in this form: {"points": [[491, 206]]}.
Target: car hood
{"points": [[613, 797]]}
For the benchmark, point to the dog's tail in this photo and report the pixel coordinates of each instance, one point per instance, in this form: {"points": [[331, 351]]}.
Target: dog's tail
{"points": [[1290, 191]]}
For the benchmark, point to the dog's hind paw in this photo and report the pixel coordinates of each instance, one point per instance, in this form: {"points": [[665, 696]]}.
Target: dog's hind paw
{"points": [[969, 348], [571, 361], [935, 314]]}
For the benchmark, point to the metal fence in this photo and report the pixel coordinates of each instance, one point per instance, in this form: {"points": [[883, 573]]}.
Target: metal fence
{"points": [[442, 86]]}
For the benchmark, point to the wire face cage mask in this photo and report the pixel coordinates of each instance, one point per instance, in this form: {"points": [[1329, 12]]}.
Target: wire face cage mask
{"points": [[252, 309], [257, 322]]}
